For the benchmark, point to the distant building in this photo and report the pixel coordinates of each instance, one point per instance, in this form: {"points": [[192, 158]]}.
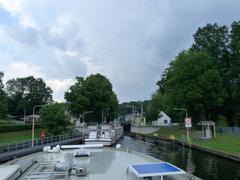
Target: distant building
{"points": [[136, 119], [139, 120], [30, 118], [163, 120]]}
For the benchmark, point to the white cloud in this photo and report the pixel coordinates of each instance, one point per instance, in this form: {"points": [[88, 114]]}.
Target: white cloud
{"points": [[12, 6], [21, 69], [59, 86], [130, 42]]}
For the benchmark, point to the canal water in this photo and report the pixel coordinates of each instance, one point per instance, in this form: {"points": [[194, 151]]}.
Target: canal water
{"points": [[196, 162]]}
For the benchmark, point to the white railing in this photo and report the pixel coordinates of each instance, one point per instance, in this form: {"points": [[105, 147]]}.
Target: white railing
{"points": [[38, 142]]}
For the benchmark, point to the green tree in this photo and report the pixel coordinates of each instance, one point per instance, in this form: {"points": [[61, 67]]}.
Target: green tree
{"points": [[192, 82], [204, 79], [155, 106], [3, 99], [223, 46], [53, 117], [25, 93], [125, 107], [214, 40], [232, 101], [95, 94]]}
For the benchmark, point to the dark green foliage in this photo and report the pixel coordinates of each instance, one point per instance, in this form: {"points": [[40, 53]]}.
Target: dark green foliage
{"points": [[213, 39], [204, 79], [1, 81], [17, 127], [125, 107], [92, 94], [3, 99], [155, 106], [53, 117], [25, 93], [222, 121]]}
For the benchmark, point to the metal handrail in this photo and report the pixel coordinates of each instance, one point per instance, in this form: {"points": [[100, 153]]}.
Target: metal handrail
{"points": [[37, 142]]}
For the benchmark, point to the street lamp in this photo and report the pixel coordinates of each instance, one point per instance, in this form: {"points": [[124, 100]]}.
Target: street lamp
{"points": [[102, 113], [33, 121], [184, 109]]}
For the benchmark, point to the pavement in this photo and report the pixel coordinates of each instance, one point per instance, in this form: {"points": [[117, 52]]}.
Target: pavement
{"points": [[144, 129]]}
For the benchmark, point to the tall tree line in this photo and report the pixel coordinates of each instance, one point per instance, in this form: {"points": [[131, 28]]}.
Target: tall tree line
{"points": [[3, 99], [21, 94], [93, 93], [126, 107], [205, 79]]}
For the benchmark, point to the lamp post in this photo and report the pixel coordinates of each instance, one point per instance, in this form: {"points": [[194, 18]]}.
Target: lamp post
{"points": [[182, 109], [33, 121], [186, 113], [102, 113]]}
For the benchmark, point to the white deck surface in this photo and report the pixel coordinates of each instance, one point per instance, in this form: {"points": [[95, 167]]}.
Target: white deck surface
{"points": [[7, 170], [104, 163]]}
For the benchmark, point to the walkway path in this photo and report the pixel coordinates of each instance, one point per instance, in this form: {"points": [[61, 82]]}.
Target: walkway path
{"points": [[144, 129]]}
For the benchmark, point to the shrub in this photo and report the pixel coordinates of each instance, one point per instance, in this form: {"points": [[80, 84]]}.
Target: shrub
{"points": [[3, 121], [54, 118], [16, 127], [222, 121]]}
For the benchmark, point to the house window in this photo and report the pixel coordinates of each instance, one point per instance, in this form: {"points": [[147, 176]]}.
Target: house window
{"points": [[165, 121]]}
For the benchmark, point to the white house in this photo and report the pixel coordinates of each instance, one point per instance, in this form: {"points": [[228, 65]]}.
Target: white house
{"points": [[163, 120]]}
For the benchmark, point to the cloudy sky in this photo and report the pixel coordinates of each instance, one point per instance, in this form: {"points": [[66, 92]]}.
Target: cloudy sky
{"points": [[129, 41]]}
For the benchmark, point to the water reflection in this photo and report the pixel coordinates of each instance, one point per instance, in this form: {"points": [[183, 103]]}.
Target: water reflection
{"points": [[190, 164], [201, 164]]}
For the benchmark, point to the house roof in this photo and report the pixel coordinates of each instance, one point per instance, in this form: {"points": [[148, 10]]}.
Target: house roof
{"points": [[206, 123], [31, 116]]}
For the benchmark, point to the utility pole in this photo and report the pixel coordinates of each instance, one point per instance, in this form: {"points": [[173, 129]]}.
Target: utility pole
{"points": [[141, 110], [186, 113], [24, 117], [103, 114], [33, 120]]}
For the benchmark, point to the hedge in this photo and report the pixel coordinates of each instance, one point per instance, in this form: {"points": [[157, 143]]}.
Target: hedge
{"points": [[17, 127]]}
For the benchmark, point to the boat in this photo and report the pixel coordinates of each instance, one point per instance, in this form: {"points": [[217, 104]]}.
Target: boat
{"points": [[105, 134], [95, 162]]}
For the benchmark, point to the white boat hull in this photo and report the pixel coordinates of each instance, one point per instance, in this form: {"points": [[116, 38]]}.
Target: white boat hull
{"points": [[108, 138]]}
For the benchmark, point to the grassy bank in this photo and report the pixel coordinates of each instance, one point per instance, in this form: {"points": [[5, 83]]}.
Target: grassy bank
{"points": [[12, 137], [223, 142]]}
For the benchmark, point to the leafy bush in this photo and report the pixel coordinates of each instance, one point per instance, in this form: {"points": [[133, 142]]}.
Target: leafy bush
{"points": [[54, 118], [4, 121], [16, 127], [222, 121], [237, 119]]}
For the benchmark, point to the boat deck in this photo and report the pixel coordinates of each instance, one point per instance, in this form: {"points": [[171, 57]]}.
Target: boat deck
{"points": [[103, 163]]}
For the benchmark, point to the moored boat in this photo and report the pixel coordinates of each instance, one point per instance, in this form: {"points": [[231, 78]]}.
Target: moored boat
{"points": [[104, 134]]}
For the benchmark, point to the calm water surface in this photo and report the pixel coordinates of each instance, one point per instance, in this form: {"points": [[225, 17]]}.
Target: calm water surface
{"points": [[201, 164]]}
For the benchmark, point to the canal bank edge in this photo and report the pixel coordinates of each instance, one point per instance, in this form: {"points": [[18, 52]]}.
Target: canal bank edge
{"points": [[197, 147]]}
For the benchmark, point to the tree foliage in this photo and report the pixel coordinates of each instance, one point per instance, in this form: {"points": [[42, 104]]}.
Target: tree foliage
{"points": [[53, 117], [3, 99], [204, 79], [95, 94], [25, 93], [155, 106], [126, 107]]}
